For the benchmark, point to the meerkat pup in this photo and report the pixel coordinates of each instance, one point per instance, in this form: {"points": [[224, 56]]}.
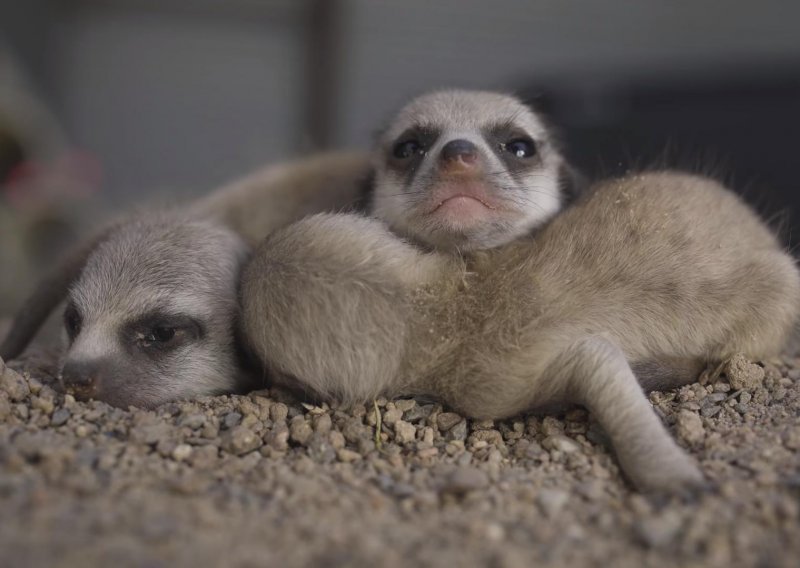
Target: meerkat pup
{"points": [[468, 170], [150, 317], [637, 286], [152, 306]]}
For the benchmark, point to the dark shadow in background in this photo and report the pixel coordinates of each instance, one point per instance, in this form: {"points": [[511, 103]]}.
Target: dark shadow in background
{"points": [[742, 129]]}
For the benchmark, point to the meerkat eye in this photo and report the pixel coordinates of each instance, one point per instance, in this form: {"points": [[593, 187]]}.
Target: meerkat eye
{"points": [[160, 334], [520, 147], [406, 149], [72, 321]]}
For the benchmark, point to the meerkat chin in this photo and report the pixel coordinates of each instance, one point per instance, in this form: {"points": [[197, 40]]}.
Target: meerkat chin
{"points": [[639, 284], [468, 170]]}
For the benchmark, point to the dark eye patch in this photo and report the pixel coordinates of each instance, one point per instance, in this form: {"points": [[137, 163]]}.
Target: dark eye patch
{"points": [[159, 332], [407, 151], [515, 147], [73, 321]]}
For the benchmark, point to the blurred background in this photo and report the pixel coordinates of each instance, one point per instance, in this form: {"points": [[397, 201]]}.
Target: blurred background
{"points": [[104, 103]]}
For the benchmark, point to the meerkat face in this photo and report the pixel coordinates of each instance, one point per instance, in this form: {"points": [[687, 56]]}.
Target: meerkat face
{"points": [[466, 170], [151, 317]]}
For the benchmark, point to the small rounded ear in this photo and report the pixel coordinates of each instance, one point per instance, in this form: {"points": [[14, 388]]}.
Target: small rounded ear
{"points": [[50, 291], [572, 183]]}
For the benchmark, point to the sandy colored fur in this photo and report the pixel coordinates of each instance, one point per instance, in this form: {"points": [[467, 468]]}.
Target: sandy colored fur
{"points": [[649, 268], [186, 261], [281, 193]]}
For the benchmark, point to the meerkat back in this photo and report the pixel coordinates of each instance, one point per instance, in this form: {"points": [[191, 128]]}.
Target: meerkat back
{"points": [[681, 248]]}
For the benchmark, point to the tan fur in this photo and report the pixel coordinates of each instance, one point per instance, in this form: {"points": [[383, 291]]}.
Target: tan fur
{"points": [[281, 193], [645, 270], [178, 270]]}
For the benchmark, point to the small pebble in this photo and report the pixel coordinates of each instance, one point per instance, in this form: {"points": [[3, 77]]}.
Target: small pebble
{"points": [[446, 420], [278, 412], [14, 384], [300, 430], [232, 419], [493, 437], [552, 426], [323, 423], [240, 440], [404, 432], [689, 427], [278, 439], [457, 432], [561, 444], [405, 404], [483, 425], [743, 374], [417, 413], [392, 415], [710, 411], [60, 417], [44, 403]]}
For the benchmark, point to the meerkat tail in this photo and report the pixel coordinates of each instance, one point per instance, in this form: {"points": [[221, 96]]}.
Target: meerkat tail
{"points": [[50, 291], [599, 377]]}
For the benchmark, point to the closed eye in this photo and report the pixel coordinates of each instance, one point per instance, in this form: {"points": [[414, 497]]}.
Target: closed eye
{"points": [[160, 331]]}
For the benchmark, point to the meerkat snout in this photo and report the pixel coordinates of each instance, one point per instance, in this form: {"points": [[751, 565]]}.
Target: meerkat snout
{"points": [[80, 378], [461, 155], [468, 170]]}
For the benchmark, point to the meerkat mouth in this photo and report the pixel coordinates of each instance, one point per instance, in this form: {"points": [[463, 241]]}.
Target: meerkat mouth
{"points": [[462, 199], [462, 211], [461, 194]]}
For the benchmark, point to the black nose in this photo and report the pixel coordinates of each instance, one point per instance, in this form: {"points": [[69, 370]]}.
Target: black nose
{"points": [[80, 375], [459, 149]]}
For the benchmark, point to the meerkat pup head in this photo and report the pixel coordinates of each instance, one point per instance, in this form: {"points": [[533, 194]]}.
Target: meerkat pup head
{"points": [[467, 170], [152, 315]]}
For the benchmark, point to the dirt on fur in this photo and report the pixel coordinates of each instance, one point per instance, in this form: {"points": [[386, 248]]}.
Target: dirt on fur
{"points": [[266, 480]]}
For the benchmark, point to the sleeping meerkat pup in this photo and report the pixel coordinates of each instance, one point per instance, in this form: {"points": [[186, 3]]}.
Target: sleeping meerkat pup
{"points": [[467, 170], [152, 302], [638, 285], [149, 319]]}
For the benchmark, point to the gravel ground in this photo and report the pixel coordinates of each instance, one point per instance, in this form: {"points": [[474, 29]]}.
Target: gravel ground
{"points": [[265, 480]]}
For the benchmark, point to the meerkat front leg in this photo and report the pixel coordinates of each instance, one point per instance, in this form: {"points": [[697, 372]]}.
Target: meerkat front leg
{"points": [[599, 377]]}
